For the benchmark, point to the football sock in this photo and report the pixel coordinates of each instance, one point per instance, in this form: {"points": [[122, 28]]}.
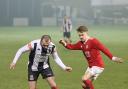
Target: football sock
{"points": [[85, 87], [54, 87], [88, 84]]}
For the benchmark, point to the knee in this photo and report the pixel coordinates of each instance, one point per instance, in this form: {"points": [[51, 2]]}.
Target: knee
{"points": [[84, 78]]}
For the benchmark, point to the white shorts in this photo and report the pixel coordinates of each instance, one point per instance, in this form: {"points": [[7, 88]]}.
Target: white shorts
{"points": [[95, 71]]}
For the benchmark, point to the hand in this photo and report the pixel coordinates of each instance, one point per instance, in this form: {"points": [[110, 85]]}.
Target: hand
{"points": [[12, 65], [68, 41], [69, 69], [62, 42], [117, 59]]}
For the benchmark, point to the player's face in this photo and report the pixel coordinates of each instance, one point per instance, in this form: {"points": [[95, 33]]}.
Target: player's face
{"points": [[45, 42], [82, 36]]}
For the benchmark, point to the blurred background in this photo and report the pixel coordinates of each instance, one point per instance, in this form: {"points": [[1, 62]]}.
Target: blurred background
{"points": [[22, 21], [51, 12]]}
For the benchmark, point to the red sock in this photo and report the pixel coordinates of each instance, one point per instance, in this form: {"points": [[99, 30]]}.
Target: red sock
{"points": [[88, 84], [54, 87]]}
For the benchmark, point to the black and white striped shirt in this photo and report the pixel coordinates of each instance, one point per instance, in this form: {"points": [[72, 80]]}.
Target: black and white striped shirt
{"points": [[39, 55]]}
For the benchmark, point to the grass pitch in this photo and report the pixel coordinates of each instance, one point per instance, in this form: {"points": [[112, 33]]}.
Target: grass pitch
{"points": [[115, 76]]}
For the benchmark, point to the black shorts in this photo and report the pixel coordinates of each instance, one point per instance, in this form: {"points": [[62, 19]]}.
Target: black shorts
{"points": [[45, 73], [67, 34]]}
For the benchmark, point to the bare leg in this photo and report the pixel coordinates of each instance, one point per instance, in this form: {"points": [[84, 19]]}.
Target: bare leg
{"points": [[86, 81], [51, 82], [32, 84]]}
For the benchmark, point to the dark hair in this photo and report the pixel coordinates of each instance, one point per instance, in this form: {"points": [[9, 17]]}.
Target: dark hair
{"points": [[82, 29], [45, 37]]}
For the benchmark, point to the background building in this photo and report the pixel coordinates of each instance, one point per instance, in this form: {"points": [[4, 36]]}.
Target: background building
{"points": [[51, 12]]}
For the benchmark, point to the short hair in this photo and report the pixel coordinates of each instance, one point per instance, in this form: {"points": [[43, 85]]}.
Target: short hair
{"points": [[82, 29], [46, 37]]}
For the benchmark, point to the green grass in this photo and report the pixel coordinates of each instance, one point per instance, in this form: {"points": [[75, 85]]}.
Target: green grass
{"points": [[115, 76]]}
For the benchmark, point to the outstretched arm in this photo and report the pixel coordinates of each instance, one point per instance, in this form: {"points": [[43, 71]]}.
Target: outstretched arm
{"points": [[18, 54], [106, 51], [59, 62], [76, 46]]}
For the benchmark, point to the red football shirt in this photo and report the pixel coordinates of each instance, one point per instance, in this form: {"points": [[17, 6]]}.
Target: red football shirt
{"points": [[91, 49]]}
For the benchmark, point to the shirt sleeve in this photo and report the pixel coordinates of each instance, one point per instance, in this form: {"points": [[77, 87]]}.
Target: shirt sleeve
{"points": [[19, 52], [23, 49], [76, 46], [102, 48], [58, 60]]}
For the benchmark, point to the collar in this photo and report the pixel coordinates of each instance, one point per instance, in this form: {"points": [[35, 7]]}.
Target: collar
{"points": [[86, 40]]}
